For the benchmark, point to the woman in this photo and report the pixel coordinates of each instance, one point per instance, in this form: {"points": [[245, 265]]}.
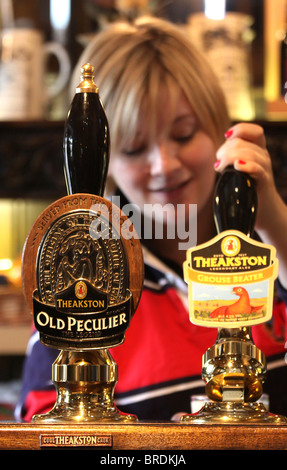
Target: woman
{"points": [[170, 137]]}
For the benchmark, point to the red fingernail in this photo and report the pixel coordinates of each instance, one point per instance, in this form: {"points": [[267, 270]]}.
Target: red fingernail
{"points": [[228, 133], [241, 162], [216, 164]]}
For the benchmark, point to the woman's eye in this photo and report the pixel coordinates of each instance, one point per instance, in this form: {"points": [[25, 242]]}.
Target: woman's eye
{"points": [[184, 137], [183, 129], [131, 152]]}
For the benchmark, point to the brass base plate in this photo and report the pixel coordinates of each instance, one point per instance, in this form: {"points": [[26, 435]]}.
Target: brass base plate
{"points": [[234, 413], [91, 415]]}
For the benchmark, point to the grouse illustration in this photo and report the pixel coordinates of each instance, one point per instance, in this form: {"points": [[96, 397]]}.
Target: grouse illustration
{"points": [[241, 306]]}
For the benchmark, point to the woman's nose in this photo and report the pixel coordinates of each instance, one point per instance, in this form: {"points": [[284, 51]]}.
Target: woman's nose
{"points": [[163, 159]]}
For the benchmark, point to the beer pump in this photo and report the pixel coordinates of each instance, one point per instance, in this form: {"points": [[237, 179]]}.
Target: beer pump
{"points": [[234, 369], [83, 271]]}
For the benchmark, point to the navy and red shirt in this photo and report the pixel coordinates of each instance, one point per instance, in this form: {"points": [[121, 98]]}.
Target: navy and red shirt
{"points": [[160, 361]]}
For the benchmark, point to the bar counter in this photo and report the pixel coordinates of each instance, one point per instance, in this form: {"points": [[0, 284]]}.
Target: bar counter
{"points": [[142, 436]]}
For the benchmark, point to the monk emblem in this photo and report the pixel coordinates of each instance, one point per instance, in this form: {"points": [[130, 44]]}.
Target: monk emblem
{"points": [[76, 263]]}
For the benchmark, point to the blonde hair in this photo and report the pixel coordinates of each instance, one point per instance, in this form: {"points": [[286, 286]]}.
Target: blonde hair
{"points": [[134, 62]]}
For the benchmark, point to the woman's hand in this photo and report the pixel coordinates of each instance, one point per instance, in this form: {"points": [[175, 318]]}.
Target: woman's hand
{"points": [[245, 149]]}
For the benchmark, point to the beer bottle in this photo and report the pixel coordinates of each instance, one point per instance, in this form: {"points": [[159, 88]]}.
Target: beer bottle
{"points": [[86, 139], [235, 202]]}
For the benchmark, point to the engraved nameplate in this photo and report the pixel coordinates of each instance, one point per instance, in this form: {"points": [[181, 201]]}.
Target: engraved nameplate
{"points": [[77, 440]]}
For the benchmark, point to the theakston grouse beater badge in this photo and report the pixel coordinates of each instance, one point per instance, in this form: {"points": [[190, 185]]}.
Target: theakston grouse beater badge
{"points": [[230, 281], [84, 289]]}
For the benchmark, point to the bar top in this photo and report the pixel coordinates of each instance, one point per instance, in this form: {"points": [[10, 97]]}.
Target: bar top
{"points": [[142, 436]]}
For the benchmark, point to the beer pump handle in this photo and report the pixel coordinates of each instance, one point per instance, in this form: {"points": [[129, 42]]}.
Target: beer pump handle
{"points": [[235, 202], [86, 139]]}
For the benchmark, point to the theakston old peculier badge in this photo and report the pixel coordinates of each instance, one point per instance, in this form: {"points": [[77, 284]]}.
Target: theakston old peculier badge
{"points": [[85, 291], [230, 281], [82, 272]]}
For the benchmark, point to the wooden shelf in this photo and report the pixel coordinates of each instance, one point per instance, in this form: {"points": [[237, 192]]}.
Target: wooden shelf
{"points": [[143, 436]]}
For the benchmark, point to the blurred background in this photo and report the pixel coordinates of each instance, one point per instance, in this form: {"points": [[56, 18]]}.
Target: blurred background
{"points": [[40, 42]]}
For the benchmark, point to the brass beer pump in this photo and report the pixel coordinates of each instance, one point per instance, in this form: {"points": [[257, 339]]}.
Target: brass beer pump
{"points": [[83, 268], [234, 369]]}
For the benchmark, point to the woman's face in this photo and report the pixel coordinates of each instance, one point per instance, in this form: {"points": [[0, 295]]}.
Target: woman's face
{"points": [[175, 169]]}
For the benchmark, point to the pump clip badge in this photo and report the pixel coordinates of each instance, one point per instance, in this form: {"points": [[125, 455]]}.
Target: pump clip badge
{"points": [[230, 281]]}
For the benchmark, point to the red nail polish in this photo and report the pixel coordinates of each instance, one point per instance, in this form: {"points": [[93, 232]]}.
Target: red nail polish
{"points": [[241, 162], [228, 133], [216, 164]]}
